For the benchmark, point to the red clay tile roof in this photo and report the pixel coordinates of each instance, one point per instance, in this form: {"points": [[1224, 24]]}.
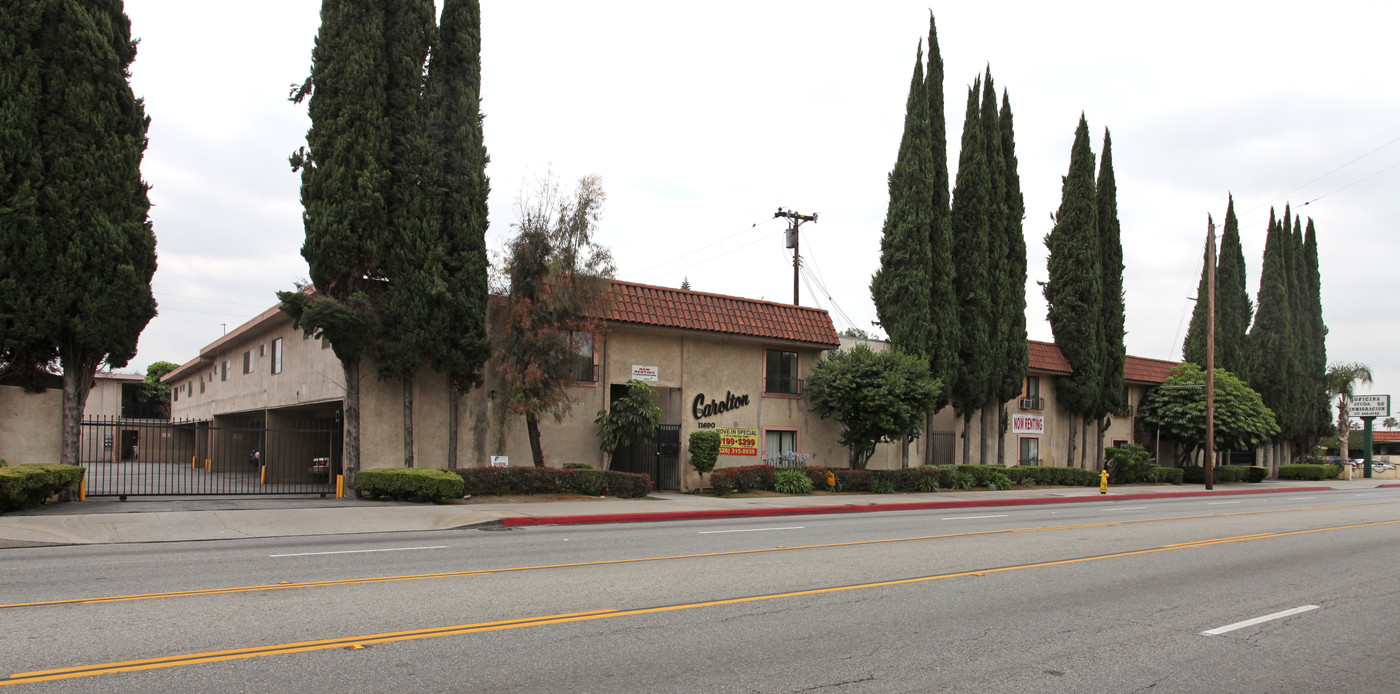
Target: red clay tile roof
{"points": [[1144, 370], [1377, 435], [1046, 356], [642, 304]]}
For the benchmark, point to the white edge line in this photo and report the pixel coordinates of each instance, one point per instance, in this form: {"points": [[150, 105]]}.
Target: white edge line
{"points": [[749, 530], [972, 517], [1217, 503], [1258, 620], [1300, 498], [1125, 508], [357, 551]]}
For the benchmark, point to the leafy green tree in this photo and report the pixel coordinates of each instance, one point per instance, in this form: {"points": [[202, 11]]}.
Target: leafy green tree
{"points": [[1074, 288], [971, 222], [1341, 384], [77, 250], [685, 284], [1113, 311], [632, 419], [558, 280], [857, 333], [456, 191], [876, 397], [899, 286], [1177, 409], [155, 395]]}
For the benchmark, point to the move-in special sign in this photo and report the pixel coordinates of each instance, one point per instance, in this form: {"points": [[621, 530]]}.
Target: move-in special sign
{"points": [[734, 441], [1028, 424], [1369, 406]]}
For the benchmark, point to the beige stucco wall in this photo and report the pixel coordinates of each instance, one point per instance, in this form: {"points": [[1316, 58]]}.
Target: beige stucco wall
{"points": [[310, 374], [31, 425], [105, 398]]}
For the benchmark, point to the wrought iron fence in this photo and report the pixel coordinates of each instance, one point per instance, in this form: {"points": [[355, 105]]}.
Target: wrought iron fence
{"points": [[130, 457]]}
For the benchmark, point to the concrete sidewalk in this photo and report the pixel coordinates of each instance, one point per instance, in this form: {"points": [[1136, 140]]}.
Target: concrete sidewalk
{"points": [[183, 519]]}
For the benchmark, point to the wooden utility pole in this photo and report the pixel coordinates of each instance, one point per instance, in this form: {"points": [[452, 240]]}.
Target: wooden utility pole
{"points": [[794, 220], [1210, 354]]}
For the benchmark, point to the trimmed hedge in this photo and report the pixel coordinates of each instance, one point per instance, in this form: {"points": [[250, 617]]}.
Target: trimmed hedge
{"points": [[431, 484], [760, 477], [488, 481], [1308, 472], [27, 486], [1170, 475], [1226, 473]]}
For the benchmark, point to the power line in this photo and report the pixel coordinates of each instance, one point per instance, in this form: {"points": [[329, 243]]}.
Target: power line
{"points": [[650, 271], [1329, 173]]}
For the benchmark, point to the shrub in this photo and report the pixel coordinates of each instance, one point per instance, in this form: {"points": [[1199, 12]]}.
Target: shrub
{"points": [[1307, 472], [997, 480], [792, 481], [927, 483], [487, 481], [854, 480], [704, 451], [1225, 473], [409, 484], [1170, 475], [1256, 473], [577, 466], [1128, 464], [960, 479], [742, 479], [881, 484], [27, 486]]}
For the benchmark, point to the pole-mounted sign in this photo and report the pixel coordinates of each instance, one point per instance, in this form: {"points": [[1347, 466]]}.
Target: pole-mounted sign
{"points": [[1369, 406]]}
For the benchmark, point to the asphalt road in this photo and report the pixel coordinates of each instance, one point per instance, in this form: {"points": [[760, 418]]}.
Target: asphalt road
{"points": [[1068, 598]]}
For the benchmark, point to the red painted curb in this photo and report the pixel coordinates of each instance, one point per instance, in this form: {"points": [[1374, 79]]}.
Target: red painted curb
{"points": [[518, 521]]}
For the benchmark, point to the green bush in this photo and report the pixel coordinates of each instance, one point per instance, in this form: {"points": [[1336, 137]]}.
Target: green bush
{"points": [[881, 484], [792, 480], [1256, 473], [1169, 475], [429, 484], [1128, 464], [1308, 472], [960, 479], [488, 481], [742, 479], [927, 483], [998, 480], [1226, 473], [577, 466], [854, 480], [1047, 475], [704, 451], [27, 486]]}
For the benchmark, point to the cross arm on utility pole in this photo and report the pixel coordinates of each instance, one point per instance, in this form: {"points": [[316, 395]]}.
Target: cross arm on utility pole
{"points": [[795, 219]]}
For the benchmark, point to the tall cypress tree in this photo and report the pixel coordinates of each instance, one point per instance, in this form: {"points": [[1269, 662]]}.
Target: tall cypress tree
{"points": [[1111, 305], [76, 247], [345, 192], [1193, 348], [1073, 289], [1315, 366], [899, 286], [1014, 357], [1269, 338], [1233, 308], [458, 189], [971, 235], [943, 305], [997, 289]]}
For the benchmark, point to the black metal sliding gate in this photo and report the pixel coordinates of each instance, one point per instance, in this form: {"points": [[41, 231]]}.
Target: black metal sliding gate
{"points": [[126, 457], [659, 458]]}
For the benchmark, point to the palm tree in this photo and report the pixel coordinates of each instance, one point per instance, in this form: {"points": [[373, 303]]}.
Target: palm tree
{"points": [[1341, 384], [1390, 423]]}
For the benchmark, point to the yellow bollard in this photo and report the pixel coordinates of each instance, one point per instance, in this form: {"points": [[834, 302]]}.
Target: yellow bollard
{"points": [[194, 462], [207, 464], [340, 486], [1103, 482], [82, 488], [262, 474]]}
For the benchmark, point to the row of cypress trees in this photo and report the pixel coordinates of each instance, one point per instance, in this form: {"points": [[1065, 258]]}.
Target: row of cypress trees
{"points": [[394, 195], [77, 250], [1283, 356], [1084, 292], [951, 283]]}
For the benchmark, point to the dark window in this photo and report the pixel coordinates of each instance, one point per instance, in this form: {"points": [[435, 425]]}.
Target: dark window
{"points": [[781, 372], [248, 362], [1032, 400], [582, 366], [223, 376], [277, 356], [1030, 451]]}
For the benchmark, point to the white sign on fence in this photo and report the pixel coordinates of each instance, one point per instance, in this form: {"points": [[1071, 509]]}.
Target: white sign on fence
{"points": [[500, 461], [1369, 406]]}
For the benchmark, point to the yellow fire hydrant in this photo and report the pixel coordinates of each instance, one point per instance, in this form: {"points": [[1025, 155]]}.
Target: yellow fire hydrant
{"points": [[831, 480], [1103, 482]]}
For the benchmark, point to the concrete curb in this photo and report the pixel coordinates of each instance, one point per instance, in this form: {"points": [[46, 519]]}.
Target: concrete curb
{"points": [[652, 517]]}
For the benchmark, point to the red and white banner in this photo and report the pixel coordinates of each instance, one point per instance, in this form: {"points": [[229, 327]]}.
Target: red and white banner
{"points": [[1027, 424]]}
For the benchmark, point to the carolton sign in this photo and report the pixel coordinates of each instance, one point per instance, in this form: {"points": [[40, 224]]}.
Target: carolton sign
{"points": [[701, 409]]}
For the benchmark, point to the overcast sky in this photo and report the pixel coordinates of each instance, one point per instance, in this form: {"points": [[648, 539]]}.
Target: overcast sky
{"points": [[703, 119]]}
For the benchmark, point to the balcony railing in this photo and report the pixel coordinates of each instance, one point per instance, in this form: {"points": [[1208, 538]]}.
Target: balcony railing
{"points": [[778, 385], [1032, 403]]}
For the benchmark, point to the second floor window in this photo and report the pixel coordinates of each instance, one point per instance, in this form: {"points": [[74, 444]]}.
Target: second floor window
{"points": [[277, 356], [248, 362], [780, 372], [1031, 399], [581, 361]]}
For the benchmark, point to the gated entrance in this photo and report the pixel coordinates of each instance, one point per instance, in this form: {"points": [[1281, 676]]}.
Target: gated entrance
{"points": [[659, 458], [130, 457]]}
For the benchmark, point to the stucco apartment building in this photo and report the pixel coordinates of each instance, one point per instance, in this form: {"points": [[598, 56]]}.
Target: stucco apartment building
{"points": [[718, 362], [31, 424]]}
